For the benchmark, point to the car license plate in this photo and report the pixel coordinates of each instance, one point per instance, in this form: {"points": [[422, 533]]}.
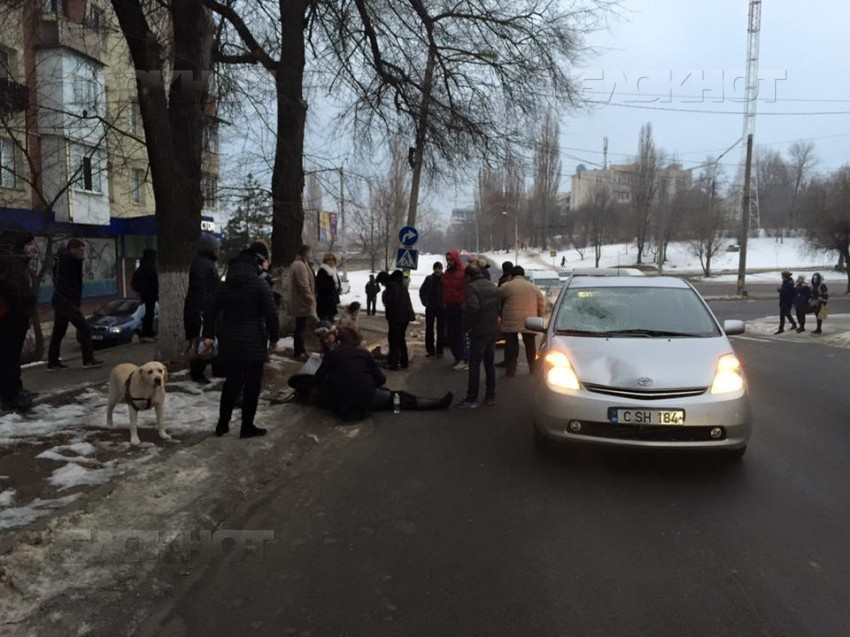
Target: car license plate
{"points": [[97, 337], [647, 416]]}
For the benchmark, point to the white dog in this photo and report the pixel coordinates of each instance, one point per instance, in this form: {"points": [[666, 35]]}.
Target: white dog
{"points": [[141, 388]]}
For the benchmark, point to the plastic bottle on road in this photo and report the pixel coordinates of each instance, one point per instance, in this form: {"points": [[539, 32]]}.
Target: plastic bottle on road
{"points": [[396, 403]]}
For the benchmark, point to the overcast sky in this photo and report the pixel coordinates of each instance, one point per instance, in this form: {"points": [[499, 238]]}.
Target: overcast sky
{"points": [[804, 44]]}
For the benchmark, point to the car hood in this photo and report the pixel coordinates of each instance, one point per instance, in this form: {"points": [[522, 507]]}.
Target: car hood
{"points": [[109, 321], [671, 363]]}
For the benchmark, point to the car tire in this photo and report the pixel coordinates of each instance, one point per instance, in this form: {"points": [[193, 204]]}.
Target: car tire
{"points": [[736, 455], [542, 443]]}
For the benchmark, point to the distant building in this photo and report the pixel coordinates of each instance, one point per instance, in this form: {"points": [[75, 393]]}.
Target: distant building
{"points": [[620, 180], [463, 215]]}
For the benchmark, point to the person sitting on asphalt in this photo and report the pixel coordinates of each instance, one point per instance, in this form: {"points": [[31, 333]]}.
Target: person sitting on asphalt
{"points": [[351, 385], [304, 381]]}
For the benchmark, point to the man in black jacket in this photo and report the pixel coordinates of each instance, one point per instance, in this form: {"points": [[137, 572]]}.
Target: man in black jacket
{"points": [[203, 284], [244, 318], [373, 289], [786, 301], [146, 284], [17, 300], [399, 313], [481, 320], [431, 295], [67, 297]]}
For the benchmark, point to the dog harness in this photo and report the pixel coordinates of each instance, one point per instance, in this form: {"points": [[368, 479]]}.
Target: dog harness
{"points": [[132, 401]]}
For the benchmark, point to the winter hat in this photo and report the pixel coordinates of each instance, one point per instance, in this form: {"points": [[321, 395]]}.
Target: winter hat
{"points": [[786, 274], [208, 245], [259, 249], [14, 241], [324, 328]]}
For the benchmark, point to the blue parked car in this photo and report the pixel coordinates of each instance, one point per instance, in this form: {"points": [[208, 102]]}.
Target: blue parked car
{"points": [[119, 322]]}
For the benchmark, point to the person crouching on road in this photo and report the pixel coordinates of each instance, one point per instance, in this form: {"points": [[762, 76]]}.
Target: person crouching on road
{"points": [[820, 297], [802, 296], [352, 386], [520, 300], [17, 303], [399, 314], [786, 301], [481, 319], [245, 320]]}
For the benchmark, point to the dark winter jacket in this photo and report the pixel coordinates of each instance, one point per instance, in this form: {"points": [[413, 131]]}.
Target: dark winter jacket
{"points": [[244, 317], [17, 296], [145, 279], [67, 279], [481, 308], [203, 284], [348, 379], [802, 294], [396, 298], [431, 293], [327, 292], [454, 282], [373, 289], [820, 292], [786, 295]]}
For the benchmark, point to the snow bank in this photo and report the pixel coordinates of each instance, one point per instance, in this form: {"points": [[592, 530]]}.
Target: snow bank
{"points": [[20, 516]]}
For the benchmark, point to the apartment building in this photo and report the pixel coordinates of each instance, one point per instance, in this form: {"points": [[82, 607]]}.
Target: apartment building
{"points": [[73, 161], [619, 181]]}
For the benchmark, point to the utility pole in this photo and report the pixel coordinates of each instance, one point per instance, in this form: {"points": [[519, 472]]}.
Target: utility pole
{"points": [[341, 223], [745, 217]]}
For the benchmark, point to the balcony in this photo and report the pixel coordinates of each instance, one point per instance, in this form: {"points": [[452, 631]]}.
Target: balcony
{"points": [[14, 97], [58, 31]]}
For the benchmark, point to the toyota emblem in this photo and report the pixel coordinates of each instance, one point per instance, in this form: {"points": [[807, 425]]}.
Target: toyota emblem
{"points": [[645, 381]]}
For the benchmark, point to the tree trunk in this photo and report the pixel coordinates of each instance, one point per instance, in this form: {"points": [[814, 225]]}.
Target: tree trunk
{"points": [[421, 138], [288, 170]]}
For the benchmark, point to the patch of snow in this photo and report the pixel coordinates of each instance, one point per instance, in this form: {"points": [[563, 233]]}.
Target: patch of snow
{"points": [[19, 516], [7, 497], [763, 277], [73, 475]]}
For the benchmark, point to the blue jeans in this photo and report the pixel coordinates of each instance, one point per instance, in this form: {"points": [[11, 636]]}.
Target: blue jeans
{"points": [[482, 349]]}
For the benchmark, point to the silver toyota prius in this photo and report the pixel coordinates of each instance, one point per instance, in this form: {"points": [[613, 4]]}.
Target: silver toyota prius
{"points": [[639, 362]]}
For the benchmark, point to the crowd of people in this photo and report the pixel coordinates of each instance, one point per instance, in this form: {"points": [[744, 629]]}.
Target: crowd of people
{"points": [[804, 299]]}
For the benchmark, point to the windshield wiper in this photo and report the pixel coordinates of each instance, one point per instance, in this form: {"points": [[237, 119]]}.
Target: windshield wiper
{"points": [[570, 332], [648, 333]]}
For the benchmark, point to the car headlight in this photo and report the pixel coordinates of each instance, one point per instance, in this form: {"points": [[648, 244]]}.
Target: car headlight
{"points": [[559, 373], [728, 378], [116, 330]]}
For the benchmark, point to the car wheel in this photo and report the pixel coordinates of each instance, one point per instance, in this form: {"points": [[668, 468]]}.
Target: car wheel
{"points": [[541, 442], [736, 455]]}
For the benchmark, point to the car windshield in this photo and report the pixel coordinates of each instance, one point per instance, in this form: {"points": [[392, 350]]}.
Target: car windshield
{"points": [[119, 307], [634, 312]]}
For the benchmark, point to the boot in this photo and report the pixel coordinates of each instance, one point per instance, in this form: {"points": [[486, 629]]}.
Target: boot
{"points": [[818, 330], [251, 432], [409, 402]]}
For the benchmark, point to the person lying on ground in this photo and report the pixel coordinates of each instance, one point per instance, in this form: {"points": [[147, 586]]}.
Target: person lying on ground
{"points": [[350, 384]]}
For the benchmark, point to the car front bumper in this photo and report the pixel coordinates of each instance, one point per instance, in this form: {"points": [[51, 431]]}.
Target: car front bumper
{"points": [[555, 411]]}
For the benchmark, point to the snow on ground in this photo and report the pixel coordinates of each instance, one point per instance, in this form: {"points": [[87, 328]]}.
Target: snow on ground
{"points": [[14, 517], [772, 277], [762, 253], [359, 278], [836, 330]]}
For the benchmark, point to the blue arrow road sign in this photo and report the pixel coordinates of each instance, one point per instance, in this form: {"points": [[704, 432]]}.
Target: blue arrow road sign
{"points": [[408, 236], [407, 259]]}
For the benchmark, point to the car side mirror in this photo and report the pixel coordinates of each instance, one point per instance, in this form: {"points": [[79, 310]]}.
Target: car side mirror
{"points": [[535, 324], [734, 328]]}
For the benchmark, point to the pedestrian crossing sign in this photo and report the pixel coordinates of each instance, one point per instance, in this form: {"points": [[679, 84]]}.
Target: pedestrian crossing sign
{"points": [[407, 259]]}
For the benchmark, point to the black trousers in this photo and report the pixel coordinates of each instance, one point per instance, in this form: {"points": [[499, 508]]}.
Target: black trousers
{"points": [[801, 318], [481, 350], [435, 319], [147, 321], [371, 305], [298, 336], [246, 378], [512, 351], [396, 335], [13, 332], [454, 331], [783, 314], [65, 312]]}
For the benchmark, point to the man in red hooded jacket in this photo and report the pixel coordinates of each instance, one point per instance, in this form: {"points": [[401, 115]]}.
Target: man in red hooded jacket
{"points": [[454, 285]]}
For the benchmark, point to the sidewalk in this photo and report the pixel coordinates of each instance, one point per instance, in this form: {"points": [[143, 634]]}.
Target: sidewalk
{"points": [[836, 331]]}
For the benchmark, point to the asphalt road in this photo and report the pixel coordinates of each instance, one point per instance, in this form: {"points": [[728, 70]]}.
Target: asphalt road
{"points": [[451, 524]]}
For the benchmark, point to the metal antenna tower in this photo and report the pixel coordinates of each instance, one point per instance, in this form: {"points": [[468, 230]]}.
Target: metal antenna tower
{"points": [[752, 91]]}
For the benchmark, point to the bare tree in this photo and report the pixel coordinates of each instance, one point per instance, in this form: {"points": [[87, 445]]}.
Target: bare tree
{"points": [[172, 81], [774, 190], [547, 174], [599, 221], [827, 214], [801, 161], [645, 187]]}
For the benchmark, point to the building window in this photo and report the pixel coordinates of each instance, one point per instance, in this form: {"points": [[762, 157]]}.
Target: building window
{"points": [[85, 93], [138, 191], [211, 138], [88, 168], [97, 18], [209, 192], [135, 118], [7, 164], [49, 6]]}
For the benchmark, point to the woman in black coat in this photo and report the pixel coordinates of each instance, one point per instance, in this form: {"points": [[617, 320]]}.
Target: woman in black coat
{"points": [[327, 289], [786, 301], [245, 320], [146, 284], [203, 284]]}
